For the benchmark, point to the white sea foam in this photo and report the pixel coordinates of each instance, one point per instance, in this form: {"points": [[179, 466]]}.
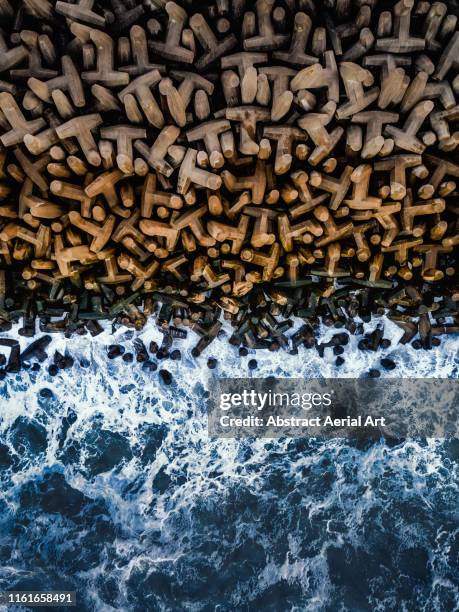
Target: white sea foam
{"points": [[196, 502]]}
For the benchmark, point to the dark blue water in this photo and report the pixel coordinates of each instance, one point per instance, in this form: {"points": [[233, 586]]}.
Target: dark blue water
{"points": [[111, 487]]}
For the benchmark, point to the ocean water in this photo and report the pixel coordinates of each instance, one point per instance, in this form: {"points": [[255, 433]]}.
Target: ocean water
{"points": [[110, 486]]}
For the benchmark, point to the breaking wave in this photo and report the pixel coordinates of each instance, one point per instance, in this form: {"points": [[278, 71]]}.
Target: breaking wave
{"points": [[111, 487]]}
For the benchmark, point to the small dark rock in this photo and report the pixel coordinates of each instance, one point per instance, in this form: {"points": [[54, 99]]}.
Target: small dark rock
{"points": [[141, 353], [28, 331], [59, 360], [340, 339], [321, 349], [53, 369], [36, 367], [339, 361], [385, 343], [436, 341], [338, 350], [388, 364], [115, 350], [94, 327], [68, 362], [363, 344], [153, 348], [253, 364], [175, 355], [243, 352], [165, 376], [128, 357], [211, 363], [374, 373], [84, 363], [162, 354], [350, 326], [416, 344], [309, 343]]}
